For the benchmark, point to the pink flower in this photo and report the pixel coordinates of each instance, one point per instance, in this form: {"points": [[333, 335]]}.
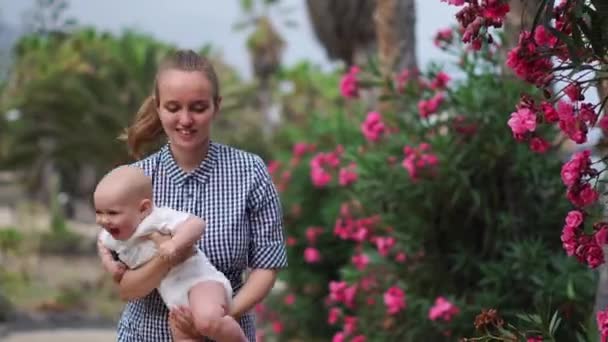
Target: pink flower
{"points": [[543, 37], [602, 323], [273, 166], [394, 299], [443, 38], [589, 252], [350, 324], [601, 236], [496, 10], [358, 338], [373, 127], [430, 106], [290, 299], [574, 218], [320, 177], [575, 168], [522, 121], [350, 294], [603, 123], [528, 64], [582, 196], [291, 241], [416, 160], [549, 112], [336, 290], [277, 327], [586, 113], [573, 91], [574, 127], [348, 175], [539, 145], [443, 310], [300, 149], [312, 233], [349, 87], [340, 292], [333, 316], [368, 283], [454, 2], [401, 257], [384, 244], [312, 255], [569, 239], [360, 261], [339, 337], [440, 81], [260, 309], [535, 339]]}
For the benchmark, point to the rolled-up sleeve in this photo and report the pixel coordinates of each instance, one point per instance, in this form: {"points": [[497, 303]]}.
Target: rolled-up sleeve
{"points": [[267, 239]]}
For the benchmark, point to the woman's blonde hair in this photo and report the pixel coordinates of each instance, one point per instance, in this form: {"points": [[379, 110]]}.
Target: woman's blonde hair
{"points": [[146, 127]]}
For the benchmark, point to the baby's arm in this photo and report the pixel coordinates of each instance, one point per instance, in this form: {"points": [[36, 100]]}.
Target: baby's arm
{"points": [[186, 235]]}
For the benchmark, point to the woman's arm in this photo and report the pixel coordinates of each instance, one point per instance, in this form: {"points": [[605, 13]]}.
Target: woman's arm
{"points": [[139, 283], [256, 288]]}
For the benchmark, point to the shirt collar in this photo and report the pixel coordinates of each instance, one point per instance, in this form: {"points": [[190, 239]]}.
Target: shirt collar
{"points": [[202, 173]]}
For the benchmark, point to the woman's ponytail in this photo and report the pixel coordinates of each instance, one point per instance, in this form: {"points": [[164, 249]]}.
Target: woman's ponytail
{"points": [[145, 129]]}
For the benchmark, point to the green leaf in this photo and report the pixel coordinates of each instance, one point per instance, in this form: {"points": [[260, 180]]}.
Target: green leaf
{"points": [[555, 322], [247, 5]]}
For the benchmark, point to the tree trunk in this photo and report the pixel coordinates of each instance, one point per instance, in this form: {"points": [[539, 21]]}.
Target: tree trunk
{"points": [[396, 34], [601, 293], [344, 27], [395, 22]]}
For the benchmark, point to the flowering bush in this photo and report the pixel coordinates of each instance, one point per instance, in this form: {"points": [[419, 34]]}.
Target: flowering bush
{"points": [[563, 40], [404, 225], [564, 54]]}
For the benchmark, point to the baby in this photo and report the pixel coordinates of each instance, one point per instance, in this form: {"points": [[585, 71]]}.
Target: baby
{"points": [[124, 208]]}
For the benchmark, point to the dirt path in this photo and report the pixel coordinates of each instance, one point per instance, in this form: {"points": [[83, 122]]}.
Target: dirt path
{"points": [[63, 335]]}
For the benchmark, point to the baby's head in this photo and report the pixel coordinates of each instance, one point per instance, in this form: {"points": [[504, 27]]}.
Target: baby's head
{"points": [[122, 198]]}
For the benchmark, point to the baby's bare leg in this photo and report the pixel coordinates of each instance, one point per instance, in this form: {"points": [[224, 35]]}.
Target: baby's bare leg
{"points": [[209, 306]]}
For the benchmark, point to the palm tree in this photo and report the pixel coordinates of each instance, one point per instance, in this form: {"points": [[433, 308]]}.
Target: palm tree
{"points": [[75, 94]]}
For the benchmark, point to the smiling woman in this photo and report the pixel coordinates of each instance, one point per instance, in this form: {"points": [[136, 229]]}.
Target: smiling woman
{"points": [[230, 189]]}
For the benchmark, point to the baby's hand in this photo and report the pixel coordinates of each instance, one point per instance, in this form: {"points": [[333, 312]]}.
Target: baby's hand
{"points": [[167, 250]]}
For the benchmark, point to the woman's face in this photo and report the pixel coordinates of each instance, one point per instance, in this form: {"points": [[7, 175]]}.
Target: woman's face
{"points": [[186, 108]]}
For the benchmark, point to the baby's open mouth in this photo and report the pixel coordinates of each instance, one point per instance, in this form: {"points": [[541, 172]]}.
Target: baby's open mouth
{"points": [[113, 231]]}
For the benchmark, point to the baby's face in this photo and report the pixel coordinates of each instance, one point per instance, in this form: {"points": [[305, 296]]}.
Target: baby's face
{"points": [[118, 217]]}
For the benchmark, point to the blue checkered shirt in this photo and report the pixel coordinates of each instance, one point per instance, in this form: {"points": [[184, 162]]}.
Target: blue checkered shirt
{"points": [[234, 193]]}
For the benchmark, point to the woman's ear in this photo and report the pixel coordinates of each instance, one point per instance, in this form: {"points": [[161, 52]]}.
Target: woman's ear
{"points": [[218, 104]]}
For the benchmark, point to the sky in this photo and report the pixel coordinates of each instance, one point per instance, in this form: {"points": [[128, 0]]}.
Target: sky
{"points": [[193, 23]]}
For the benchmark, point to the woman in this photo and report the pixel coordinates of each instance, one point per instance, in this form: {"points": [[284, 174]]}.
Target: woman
{"points": [[230, 189]]}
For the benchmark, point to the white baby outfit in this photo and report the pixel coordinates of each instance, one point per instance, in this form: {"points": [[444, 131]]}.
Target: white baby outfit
{"points": [[138, 250]]}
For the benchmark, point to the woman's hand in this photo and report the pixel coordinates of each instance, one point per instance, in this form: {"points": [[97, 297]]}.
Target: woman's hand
{"points": [[181, 318]]}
